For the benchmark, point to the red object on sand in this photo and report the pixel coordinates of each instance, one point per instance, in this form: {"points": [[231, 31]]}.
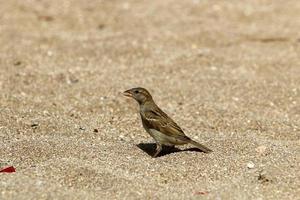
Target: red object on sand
{"points": [[9, 169]]}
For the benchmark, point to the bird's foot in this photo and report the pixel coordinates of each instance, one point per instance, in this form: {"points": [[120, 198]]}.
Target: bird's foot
{"points": [[158, 150]]}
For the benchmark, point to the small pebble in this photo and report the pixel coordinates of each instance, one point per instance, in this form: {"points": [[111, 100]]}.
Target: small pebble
{"points": [[34, 125], [16, 63], [50, 53], [250, 165]]}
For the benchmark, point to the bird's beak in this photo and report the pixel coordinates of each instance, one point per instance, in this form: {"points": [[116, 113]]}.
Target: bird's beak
{"points": [[127, 93]]}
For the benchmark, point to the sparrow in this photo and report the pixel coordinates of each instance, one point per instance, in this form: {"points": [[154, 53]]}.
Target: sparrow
{"points": [[158, 124]]}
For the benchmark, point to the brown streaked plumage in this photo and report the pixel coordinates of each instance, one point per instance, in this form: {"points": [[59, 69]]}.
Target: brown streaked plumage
{"points": [[158, 124]]}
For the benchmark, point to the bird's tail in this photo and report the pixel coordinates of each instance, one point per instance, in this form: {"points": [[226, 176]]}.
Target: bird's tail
{"points": [[200, 146]]}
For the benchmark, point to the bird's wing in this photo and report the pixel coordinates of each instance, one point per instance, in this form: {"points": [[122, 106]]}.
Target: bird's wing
{"points": [[158, 120]]}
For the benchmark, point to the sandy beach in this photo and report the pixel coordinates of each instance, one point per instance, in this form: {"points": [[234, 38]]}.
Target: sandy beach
{"points": [[228, 72]]}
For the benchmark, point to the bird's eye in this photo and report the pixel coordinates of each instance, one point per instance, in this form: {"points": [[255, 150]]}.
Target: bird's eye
{"points": [[136, 91]]}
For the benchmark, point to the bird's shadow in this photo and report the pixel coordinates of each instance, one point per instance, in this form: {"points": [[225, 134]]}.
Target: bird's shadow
{"points": [[150, 149]]}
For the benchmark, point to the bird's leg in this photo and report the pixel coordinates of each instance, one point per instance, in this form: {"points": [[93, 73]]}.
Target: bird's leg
{"points": [[158, 150]]}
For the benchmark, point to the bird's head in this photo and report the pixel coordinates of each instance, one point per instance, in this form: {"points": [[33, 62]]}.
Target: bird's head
{"points": [[141, 95]]}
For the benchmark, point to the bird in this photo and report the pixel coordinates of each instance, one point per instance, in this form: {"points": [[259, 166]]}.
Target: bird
{"points": [[158, 124]]}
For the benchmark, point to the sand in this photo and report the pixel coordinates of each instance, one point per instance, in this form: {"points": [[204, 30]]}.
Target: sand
{"points": [[228, 72]]}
